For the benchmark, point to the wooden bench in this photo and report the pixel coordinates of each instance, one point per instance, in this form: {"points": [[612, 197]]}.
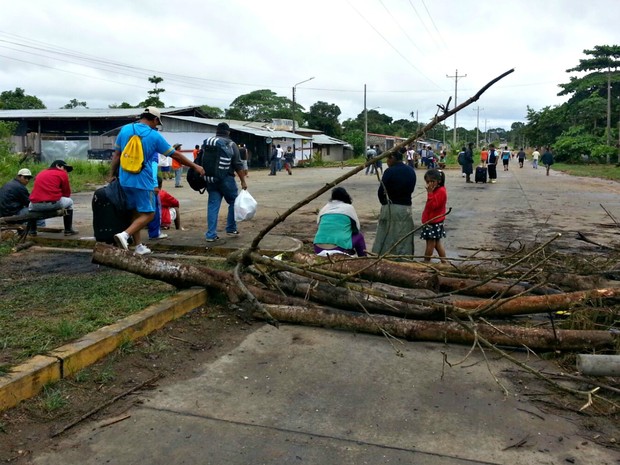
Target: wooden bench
{"points": [[20, 222]]}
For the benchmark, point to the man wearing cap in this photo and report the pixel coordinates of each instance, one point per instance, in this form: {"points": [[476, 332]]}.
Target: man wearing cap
{"points": [[52, 191], [14, 197], [225, 188], [140, 187]]}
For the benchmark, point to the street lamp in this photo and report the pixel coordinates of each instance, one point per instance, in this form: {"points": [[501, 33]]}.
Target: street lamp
{"points": [[294, 105]]}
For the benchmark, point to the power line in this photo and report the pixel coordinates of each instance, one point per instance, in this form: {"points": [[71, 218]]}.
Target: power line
{"points": [[390, 44], [420, 18], [400, 27], [434, 25]]}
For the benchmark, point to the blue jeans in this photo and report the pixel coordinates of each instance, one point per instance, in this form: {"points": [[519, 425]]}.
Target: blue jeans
{"points": [[155, 223], [177, 177], [226, 189]]}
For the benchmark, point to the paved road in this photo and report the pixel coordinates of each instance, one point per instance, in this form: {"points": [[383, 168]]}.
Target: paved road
{"points": [[523, 205]]}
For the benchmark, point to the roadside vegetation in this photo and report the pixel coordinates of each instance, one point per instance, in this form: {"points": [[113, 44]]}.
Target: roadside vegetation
{"points": [[40, 313]]}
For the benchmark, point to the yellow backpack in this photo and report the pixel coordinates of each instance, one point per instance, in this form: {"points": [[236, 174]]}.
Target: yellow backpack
{"points": [[132, 158]]}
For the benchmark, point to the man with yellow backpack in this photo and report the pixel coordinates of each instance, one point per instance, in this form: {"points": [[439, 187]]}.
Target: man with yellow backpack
{"points": [[137, 172]]}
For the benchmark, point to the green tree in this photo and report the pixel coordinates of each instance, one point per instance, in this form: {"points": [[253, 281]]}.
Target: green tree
{"points": [[602, 77], [212, 112], [404, 127], [516, 135], [122, 105], [18, 100], [589, 112], [74, 103], [324, 116], [6, 130], [262, 105], [355, 137], [378, 123], [153, 99], [546, 125]]}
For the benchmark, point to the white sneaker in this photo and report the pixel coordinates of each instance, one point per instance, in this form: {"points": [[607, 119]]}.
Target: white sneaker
{"points": [[121, 240], [142, 249], [161, 236]]}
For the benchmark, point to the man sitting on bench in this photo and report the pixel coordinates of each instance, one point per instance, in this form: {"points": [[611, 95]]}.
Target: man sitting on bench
{"points": [[51, 191], [14, 196]]}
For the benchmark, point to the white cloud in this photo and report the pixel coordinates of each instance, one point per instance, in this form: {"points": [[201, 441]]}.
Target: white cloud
{"points": [[211, 52]]}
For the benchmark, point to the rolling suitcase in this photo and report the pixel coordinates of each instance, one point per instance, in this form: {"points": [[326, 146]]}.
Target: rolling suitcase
{"points": [[481, 174], [108, 218]]}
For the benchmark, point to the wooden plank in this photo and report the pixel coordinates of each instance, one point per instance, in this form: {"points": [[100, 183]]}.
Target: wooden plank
{"points": [[38, 215]]}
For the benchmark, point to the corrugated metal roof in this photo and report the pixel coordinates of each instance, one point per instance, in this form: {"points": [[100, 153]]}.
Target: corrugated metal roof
{"points": [[327, 140], [79, 113], [256, 128], [242, 126]]}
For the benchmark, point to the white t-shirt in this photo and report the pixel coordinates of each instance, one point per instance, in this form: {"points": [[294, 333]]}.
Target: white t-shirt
{"points": [[535, 154], [164, 161]]}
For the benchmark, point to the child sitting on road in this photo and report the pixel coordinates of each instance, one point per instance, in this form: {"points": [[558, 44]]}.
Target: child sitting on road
{"points": [[170, 209]]}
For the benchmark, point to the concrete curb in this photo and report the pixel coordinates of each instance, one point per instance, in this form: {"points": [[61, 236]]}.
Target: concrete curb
{"points": [[28, 379]]}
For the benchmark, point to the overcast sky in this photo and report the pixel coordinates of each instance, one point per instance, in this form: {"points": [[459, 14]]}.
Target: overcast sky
{"points": [[210, 52]]}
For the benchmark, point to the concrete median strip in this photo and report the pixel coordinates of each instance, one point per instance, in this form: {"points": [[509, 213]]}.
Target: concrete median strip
{"points": [[28, 379]]}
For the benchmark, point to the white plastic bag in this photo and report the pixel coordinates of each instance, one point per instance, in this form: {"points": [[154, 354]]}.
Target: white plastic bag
{"points": [[245, 206]]}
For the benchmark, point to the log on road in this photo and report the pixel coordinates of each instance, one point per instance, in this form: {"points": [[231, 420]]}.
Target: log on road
{"points": [[302, 311], [397, 274], [440, 331], [538, 303]]}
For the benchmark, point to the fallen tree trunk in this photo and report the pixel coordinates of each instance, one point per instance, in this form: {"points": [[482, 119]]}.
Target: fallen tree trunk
{"points": [[304, 288], [475, 288], [413, 275], [440, 331], [297, 310], [403, 304], [384, 271], [341, 297], [535, 303], [184, 276]]}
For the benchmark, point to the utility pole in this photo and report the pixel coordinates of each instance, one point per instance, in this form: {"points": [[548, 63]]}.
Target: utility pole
{"points": [[608, 111], [365, 123], [294, 105], [456, 81], [478, 126]]}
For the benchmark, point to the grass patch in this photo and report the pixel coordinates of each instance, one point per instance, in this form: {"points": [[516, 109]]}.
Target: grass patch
{"points": [[41, 313], [592, 171], [52, 398], [86, 175]]}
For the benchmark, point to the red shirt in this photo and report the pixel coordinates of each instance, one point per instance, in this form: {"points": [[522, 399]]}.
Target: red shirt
{"points": [[50, 185], [167, 201], [435, 205]]}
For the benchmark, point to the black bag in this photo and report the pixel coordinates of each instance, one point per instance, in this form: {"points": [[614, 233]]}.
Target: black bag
{"points": [[195, 181], [481, 174], [217, 157], [110, 214]]}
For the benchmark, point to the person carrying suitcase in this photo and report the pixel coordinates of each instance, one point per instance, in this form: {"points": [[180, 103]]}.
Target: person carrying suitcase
{"points": [[468, 162]]}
